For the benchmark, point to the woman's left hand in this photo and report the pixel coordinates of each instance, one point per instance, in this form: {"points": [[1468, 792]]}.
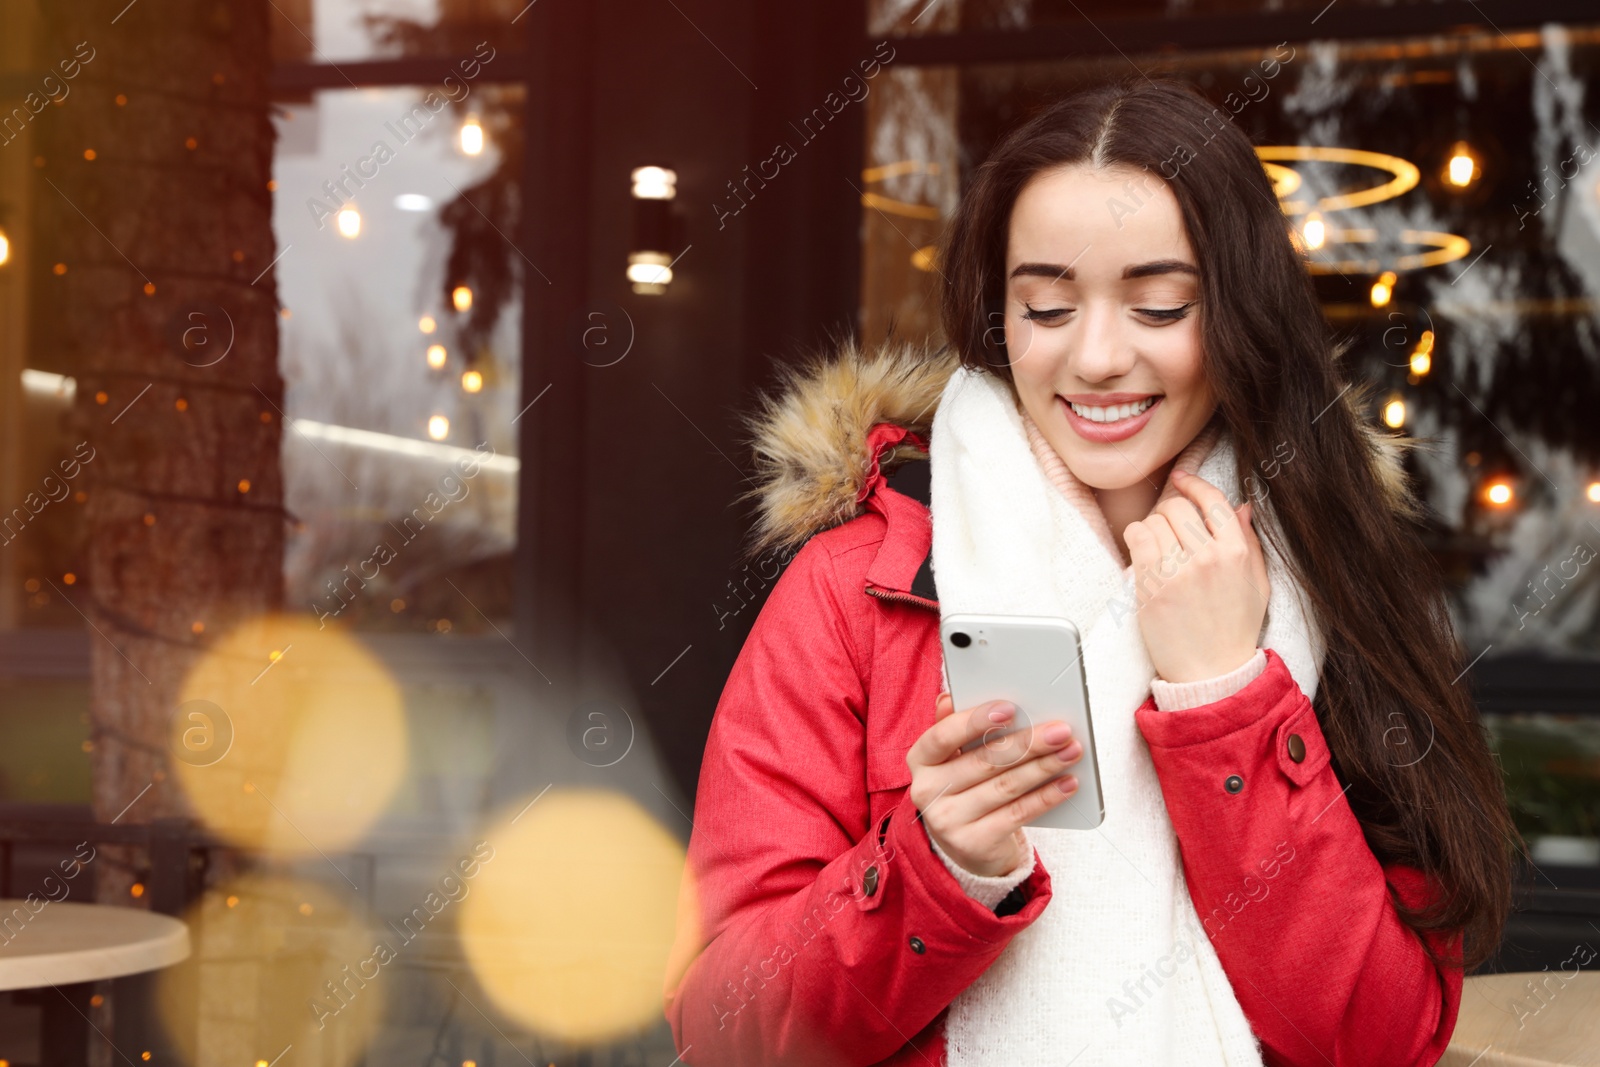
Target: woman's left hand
{"points": [[1200, 581]]}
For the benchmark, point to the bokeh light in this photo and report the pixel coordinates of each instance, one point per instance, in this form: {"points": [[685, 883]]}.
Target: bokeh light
{"points": [[282, 963], [580, 959], [1498, 493], [472, 136], [319, 740]]}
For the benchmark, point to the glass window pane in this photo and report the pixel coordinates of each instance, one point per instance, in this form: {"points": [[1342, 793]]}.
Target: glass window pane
{"points": [[327, 31], [400, 352], [1485, 342], [916, 17]]}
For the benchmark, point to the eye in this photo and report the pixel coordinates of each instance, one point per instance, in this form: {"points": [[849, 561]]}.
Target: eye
{"points": [[1046, 316], [1166, 315]]}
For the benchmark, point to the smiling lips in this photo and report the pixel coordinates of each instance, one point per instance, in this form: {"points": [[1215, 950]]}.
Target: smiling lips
{"points": [[1110, 416]]}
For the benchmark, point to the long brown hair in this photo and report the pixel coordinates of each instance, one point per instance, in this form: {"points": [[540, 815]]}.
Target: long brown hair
{"points": [[1392, 659]]}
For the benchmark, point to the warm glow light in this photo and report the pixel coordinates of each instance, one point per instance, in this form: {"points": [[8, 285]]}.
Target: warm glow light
{"points": [[315, 979], [1315, 232], [1421, 363], [1593, 492], [554, 976], [472, 136], [349, 222], [472, 381], [1383, 289], [654, 183], [1498, 493], [1394, 413], [298, 752], [1404, 175], [5, 248], [1462, 168], [438, 427], [426, 324], [649, 272], [436, 356], [461, 297]]}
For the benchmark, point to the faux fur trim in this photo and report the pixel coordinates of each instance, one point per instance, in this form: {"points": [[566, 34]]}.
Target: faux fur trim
{"points": [[808, 436]]}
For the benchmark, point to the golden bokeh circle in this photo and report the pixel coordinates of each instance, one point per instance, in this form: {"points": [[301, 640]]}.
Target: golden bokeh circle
{"points": [[569, 929], [319, 740], [279, 962]]}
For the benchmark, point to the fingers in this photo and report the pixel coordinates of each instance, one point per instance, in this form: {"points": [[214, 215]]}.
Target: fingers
{"points": [[950, 732], [1208, 501], [1258, 559], [1007, 815], [977, 789]]}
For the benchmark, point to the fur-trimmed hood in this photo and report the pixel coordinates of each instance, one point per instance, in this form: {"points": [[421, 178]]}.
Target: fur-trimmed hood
{"points": [[809, 436]]}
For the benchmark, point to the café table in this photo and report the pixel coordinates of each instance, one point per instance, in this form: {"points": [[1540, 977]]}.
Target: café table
{"points": [[1538, 1019], [58, 951]]}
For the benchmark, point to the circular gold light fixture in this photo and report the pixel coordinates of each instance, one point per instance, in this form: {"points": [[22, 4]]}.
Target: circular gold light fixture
{"points": [[1285, 180], [1445, 248], [1404, 175]]}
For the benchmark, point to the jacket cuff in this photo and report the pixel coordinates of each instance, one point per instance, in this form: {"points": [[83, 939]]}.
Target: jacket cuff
{"points": [[946, 914], [988, 890], [1181, 696]]}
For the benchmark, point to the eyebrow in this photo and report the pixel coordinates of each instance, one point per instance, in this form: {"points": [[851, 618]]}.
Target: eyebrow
{"points": [[1056, 272]]}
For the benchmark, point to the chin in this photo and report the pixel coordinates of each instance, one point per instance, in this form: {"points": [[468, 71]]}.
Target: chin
{"points": [[1115, 472]]}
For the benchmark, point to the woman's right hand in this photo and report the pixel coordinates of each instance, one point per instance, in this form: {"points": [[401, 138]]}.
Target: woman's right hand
{"points": [[975, 804]]}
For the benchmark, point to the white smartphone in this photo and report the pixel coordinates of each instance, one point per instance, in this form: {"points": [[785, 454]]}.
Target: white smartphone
{"points": [[1036, 662]]}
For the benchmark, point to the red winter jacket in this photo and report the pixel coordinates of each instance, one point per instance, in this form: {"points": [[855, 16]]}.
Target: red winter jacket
{"points": [[817, 926]]}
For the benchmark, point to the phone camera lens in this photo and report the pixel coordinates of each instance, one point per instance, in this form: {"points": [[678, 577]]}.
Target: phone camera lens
{"points": [[960, 640]]}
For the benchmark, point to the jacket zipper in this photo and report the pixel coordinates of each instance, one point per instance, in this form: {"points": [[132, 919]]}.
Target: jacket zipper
{"points": [[903, 598]]}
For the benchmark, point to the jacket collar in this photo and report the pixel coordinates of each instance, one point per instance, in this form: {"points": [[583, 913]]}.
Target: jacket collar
{"points": [[902, 569]]}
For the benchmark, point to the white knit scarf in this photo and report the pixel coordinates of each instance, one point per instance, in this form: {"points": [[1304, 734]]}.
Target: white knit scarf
{"points": [[1117, 969]]}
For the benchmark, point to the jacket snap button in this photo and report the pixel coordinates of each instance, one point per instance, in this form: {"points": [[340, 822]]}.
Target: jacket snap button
{"points": [[869, 880], [1297, 748], [917, 946], [1233, 784]]}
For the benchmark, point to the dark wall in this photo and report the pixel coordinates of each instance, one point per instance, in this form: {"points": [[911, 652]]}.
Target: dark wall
{"points": [[631, 531]]}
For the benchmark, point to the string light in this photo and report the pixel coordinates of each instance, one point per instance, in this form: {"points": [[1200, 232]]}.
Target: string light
{"points": [[5, 248], [1462, 167], [438, 427], [472, 381], [461, 297], [1394, 413], [472, 136], [426, 324], [349, 222], [1383, 289], [436, 356], [1422, 358], [1593, 492], [1498, 493]]}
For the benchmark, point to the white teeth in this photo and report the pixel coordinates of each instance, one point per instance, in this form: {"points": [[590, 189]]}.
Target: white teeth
{"points": [[1113, 414]]}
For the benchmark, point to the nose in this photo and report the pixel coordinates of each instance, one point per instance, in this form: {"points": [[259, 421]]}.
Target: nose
{"points": [[1102, 351]]}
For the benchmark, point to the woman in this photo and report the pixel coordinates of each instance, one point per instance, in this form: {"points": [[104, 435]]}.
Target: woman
{"points": [[1141, 427]]}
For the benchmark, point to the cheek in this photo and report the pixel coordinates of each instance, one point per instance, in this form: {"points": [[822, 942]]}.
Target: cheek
{"points": [[1032, 355], [1183, 371]]}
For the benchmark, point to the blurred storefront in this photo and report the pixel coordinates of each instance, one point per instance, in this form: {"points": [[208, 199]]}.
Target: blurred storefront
{"points": [[547, 275]]}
